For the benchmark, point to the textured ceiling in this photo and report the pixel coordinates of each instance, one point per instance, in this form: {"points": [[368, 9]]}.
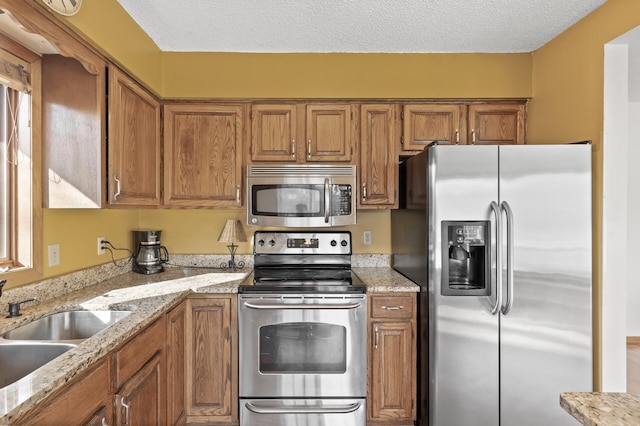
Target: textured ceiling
{"points": [[405, 26]]}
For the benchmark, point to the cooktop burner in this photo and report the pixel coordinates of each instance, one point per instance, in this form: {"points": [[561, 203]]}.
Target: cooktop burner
{"points": [[302, 262]]}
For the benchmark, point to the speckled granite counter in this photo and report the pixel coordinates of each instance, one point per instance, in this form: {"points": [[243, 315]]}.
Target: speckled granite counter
{"points": [[147, 296], [602, 409]]}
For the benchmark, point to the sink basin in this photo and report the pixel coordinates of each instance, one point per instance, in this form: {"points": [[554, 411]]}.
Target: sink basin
{"points": [[66, 326], [18, 360]]}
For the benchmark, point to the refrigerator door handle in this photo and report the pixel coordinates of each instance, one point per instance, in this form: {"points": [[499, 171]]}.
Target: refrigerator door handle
{"points": [[509, 213], [495, 209]]}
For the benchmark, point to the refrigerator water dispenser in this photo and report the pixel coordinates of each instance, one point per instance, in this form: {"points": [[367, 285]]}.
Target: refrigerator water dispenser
{"points": [[465, 258]]}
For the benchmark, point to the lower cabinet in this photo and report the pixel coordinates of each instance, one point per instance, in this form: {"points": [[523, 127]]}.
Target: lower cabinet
{"points": [[391, 386], [139, 378], [212, 359], [85, 400]]}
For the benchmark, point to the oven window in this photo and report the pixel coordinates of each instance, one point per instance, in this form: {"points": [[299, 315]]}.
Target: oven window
{"points": [[288, 200], [303, 347]]}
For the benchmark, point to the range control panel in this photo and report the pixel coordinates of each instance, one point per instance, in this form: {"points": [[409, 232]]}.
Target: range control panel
{"points": [[283, 242]]}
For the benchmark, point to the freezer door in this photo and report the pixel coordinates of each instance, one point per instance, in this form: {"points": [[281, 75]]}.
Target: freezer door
{"points": [[463, 333], [546, 335]]}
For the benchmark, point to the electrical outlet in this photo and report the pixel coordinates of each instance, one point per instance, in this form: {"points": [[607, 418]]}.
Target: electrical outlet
{"points": [[366, 236], [101, 241], [54, 254]]}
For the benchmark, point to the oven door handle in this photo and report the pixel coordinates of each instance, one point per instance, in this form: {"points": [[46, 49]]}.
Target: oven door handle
{"points": [[271, 305], [297, 409]]}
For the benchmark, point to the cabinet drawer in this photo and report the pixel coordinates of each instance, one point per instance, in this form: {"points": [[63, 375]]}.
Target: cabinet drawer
{"points": [[394, 307], [138, 351]]}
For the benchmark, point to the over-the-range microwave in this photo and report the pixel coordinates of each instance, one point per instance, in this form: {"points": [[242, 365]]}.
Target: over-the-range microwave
{"points": [[301, 195]]}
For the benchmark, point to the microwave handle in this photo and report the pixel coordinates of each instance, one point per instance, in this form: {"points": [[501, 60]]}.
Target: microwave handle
{"points": [[327, 199]]}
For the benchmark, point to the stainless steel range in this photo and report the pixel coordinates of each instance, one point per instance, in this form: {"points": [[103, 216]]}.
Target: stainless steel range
{"points": [[302, 321]]}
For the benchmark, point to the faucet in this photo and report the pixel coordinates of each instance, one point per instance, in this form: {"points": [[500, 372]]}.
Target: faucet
{"points": [[14, 308]]}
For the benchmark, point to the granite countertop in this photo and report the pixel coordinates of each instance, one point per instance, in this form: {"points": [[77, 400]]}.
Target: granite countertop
{"points": [[602, 408], [146, 296]]}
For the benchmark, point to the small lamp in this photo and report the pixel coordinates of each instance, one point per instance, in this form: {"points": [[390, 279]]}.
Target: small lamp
{"points": [[232, 232]]}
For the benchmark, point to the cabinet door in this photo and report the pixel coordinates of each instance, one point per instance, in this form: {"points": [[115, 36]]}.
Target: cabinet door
{"points": [[203, 155], [212, 360], [141, 401], [427, 123], [392, 390], [134, 143], [329, 132], [391, 387], [273, 132], [176, 366], [85, 399], [378, 166], [500, 124]]}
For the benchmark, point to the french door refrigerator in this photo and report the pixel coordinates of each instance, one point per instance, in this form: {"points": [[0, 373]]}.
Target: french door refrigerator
{"points": [[499, 239]]}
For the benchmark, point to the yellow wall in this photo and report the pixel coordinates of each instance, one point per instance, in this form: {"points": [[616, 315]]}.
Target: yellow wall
{"points": [[245, 75], [567, 105]]}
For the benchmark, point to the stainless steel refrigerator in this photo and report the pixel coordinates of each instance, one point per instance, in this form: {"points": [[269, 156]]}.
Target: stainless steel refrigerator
{"points": [[499, 239]]}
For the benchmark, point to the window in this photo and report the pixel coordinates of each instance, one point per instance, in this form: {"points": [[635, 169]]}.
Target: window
{"points": [[20, 210]]}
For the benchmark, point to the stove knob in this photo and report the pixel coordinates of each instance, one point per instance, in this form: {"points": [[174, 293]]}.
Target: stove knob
{"points": [[272, 243], [261, 243], [334, 243], [343, 243]]}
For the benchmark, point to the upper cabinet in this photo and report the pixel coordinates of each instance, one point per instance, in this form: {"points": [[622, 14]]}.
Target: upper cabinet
{"points": [[299, 132], [73, 133], [427, 123], [203, 155], [473, 123], [134, 146], [378, 169], [497, 124]]}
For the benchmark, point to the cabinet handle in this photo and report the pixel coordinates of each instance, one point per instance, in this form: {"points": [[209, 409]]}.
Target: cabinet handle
{"points": [[473, 136], [364, 191], [457, 136], [293, 148], [377, 337], [104, 422], [115, 196], [238, 194], [393, 308], [126, 411], [309, 148]]}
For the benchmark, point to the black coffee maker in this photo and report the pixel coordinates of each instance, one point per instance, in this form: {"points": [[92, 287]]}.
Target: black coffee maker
{"points": [[148, 254]]}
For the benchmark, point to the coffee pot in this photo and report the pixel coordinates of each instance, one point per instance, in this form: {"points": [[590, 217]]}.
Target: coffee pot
{"points": [[149, 254]]}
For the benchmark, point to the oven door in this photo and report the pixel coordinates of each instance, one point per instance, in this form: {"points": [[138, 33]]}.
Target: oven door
{"points": [[302, 346]]}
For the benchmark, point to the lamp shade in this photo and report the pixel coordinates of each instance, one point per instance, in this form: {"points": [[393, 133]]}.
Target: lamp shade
{"points": [[232, 232]]}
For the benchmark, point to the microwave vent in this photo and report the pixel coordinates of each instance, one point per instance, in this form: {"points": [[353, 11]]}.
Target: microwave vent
{"points": [[300, 170]]}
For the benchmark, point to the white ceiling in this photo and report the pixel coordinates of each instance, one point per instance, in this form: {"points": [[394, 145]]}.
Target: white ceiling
{"points": [[404, 26]]}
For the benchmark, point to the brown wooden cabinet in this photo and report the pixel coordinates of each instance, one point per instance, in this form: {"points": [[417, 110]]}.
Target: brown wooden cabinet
{"points": [[392, 359], [134, 144], [140, 378], [212, 359], [73, 133], [378, 167], [301, 132], [427, 123], [497, 124], [85, 400], [203, 155], [176, 365], [469, 123]]}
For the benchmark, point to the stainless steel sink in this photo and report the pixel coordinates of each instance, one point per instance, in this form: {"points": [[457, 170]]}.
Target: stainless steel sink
{"points": [[66, 326], [18, 360]]}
